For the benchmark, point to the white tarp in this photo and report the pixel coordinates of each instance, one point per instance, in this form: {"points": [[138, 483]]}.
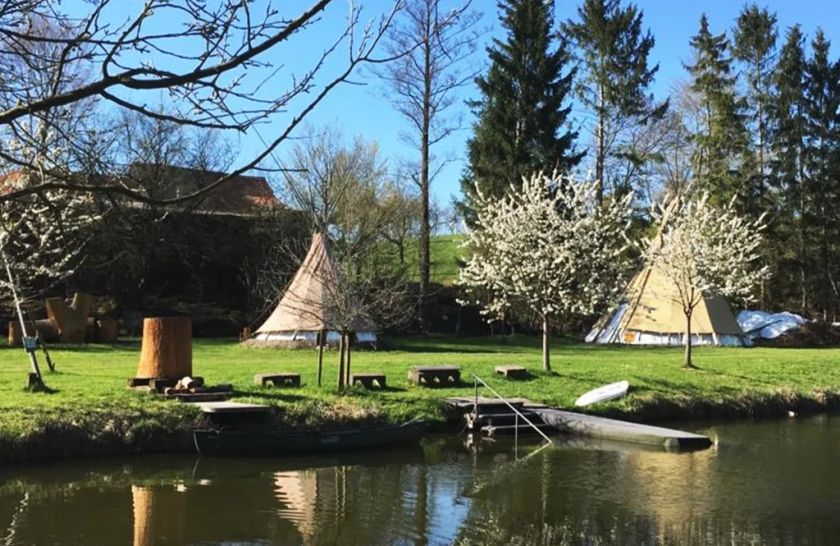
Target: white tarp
{"points": [[768, 325]]}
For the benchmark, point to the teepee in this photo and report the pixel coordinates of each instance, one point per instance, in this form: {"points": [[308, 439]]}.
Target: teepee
{"points": [[649, 315], [316, 301]]}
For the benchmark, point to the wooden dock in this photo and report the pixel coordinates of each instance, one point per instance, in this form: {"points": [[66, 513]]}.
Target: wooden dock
{"points": [[227, 407], [623, 431], [583, 425]]}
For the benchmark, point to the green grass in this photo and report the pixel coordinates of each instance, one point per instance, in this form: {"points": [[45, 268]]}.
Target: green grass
{"points": [[91, 399], [444, 252]]}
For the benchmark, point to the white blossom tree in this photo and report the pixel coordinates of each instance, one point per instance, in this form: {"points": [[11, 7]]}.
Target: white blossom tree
{"points": [[703, 251], [546, 248]]}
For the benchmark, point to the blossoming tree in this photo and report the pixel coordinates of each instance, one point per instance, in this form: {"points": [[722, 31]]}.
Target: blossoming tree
{"points": [[705, 250], [546, 248]]}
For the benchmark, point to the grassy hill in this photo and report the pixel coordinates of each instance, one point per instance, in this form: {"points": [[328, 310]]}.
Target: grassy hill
{"points": [[445, 250]]}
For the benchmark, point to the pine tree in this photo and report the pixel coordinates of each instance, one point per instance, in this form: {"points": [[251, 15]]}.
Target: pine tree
{"points": [[614, 51], [722, 136], [754, 45], [822, 89], [522, 111], [787, 125]]}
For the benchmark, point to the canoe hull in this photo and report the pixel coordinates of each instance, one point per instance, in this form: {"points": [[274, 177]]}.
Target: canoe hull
{"points": [[267, 443], [602, 394]]}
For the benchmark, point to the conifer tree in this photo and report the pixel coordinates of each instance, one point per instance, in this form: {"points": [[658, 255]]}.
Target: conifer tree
{"points": [[613, 50], [822, 109], [722, 135], [754, 45], [523, 109], [787, 125]]}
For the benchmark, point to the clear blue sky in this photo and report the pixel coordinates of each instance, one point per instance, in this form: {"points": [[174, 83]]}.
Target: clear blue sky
{"points": [[362, 109]]}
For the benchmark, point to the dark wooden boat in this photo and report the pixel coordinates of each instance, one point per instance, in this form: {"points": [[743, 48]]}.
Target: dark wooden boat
{"points": [[259, 442]]}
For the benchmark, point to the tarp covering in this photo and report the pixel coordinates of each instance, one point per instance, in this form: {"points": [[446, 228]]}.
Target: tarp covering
{"points": [[768, 325], [315, 297]]}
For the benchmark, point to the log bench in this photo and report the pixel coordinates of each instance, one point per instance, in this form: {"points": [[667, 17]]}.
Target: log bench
{"points": [[435, 376], [512, 371], [368, 380], [277, 379]]}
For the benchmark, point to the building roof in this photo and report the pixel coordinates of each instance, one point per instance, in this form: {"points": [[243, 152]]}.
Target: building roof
{"points": [[240, 195]]}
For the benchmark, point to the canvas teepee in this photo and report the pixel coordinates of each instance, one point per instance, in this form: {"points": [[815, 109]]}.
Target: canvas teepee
{"points": [[315, 301], [649, 315]]}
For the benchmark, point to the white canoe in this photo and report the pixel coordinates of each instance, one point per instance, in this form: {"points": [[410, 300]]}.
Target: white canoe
{"points": [[602, 394]]}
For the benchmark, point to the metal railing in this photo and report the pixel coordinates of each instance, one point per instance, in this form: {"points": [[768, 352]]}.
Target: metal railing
{"points": [[519, 414]]}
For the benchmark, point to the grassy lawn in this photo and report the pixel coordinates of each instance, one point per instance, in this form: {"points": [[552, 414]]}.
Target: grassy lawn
{"points": [[91, 393]]}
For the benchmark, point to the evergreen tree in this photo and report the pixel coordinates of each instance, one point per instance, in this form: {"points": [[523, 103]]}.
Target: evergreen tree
{"points": [[822, 168], [522, 110], [787, 125], [754, 45], [722, 136], [614, 51]]}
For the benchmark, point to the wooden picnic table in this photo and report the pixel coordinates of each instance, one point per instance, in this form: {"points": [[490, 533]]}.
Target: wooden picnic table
{"points": [[435, 376]]}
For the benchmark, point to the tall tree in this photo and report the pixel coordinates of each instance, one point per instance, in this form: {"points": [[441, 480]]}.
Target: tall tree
{"points": [[786, 141], [754, 45], [522, 110], [721, 134], [614, 52], [822, 89], [431, 46]]}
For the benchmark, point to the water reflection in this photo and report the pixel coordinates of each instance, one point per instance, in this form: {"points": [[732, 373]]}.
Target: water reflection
{"points": [[767, 483]]}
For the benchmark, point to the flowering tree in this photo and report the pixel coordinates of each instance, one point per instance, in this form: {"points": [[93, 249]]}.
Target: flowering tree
{"points": [[547, 248], [703, 251]]}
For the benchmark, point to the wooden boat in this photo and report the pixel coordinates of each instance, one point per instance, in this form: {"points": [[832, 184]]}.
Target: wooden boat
{"points": [[261, 442], [602, 394]]}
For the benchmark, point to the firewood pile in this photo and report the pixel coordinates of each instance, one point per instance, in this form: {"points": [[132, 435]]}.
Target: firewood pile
{"points": [[185, 389]]}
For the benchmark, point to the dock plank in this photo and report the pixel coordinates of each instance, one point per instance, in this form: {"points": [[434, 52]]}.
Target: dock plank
{"points": [[231, 407]]}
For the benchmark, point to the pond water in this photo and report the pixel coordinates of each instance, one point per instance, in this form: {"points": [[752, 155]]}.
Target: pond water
{"points": [[771, 482]]}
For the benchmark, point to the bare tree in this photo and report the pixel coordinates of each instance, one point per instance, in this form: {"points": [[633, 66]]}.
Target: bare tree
{"points": [[213, 62], [424, 83], [338, 186]]}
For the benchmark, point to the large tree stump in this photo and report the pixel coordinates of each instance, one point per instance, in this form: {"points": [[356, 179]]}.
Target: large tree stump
{"points": [[44, 328], [71, 320], [166, 349]]}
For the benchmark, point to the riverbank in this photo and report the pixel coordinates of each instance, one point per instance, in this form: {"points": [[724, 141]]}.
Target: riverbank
{"points": [[92, 413]]}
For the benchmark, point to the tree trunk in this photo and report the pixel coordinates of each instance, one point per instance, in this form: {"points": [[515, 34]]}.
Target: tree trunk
{"points": [[341, 361], [166, 349], [424, 173], [322, 340], [348, 344], [687, 362], [546, 346], [600, 153]]}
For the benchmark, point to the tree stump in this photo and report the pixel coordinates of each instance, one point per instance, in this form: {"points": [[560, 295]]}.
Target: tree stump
{"points": [[166, 349], [44, 328]]}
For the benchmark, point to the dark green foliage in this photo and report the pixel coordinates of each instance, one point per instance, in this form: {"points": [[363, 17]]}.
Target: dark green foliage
{"points": [[787, 134], [722, 139], [613, 50], [522, 110], [822, 171]]}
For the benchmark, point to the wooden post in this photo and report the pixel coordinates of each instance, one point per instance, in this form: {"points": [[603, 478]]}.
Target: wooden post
{"points": [[546, 346], [322, 340], [166, 349]]}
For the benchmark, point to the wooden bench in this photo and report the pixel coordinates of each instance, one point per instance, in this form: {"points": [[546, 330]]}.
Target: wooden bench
{"points": [[435, 376], [512, 371], [277, 379], [368, 380]]}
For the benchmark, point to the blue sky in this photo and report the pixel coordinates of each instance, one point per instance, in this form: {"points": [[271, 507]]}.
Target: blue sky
{"points": [[363, 109]]}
